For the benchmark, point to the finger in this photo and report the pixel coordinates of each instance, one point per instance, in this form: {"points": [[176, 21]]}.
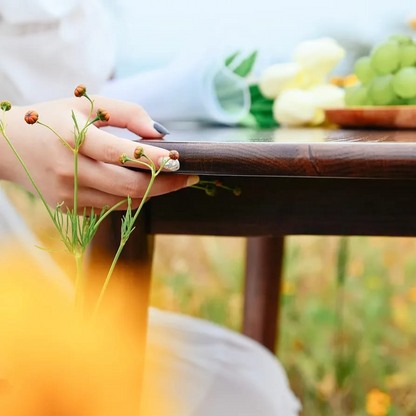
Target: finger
{"points": [[93, 198], [130, 116], [121, 182], [105, 147]]}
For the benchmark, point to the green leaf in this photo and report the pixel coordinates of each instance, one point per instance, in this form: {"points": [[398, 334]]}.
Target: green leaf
{"points": [[255, 92], [231, 58], [265, 121], [262, 106], [248, 121], [246, 65]]}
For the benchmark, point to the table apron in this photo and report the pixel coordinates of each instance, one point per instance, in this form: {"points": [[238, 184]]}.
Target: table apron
{"points": [[289, 206]]}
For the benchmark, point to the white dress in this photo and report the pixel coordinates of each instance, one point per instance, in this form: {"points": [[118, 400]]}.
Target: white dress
{"points": [[209, 370]]}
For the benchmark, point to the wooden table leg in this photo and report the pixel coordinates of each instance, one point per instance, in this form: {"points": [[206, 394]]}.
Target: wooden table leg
{"points": [[131, 279], [262, 289]]}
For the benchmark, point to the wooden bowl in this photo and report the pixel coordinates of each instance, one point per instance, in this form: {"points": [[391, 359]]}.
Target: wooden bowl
{"points": [[392, 117]]}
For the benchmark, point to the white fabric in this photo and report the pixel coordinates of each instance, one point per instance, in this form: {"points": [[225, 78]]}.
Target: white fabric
{"points": [[200, 88], [48, 47]]}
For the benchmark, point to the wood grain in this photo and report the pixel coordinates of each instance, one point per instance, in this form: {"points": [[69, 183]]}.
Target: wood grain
{"points": [[262, 289], [328, 153]]}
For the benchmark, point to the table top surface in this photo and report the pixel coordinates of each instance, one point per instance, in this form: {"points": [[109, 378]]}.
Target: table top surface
{"points": [[302, 152]]}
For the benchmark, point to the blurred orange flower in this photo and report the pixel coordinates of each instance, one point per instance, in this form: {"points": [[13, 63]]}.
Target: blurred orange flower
{"points": [[377, 403]]}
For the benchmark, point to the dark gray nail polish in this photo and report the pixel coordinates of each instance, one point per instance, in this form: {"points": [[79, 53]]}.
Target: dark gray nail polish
{"points": [[160, 129]]}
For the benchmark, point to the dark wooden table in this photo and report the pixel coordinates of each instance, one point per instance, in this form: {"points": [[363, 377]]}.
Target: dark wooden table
{"points": [[293, 181]]}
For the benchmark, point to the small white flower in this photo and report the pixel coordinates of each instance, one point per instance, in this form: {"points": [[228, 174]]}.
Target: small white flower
{"points": [[276, 78]]}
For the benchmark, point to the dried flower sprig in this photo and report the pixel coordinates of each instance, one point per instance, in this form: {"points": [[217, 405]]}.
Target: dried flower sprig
{"points": [[128, 221], [77, 231], [211, 187]]}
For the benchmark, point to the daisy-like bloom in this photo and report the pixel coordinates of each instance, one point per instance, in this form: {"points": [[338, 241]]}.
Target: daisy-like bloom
{"points": [[103, 115], [80, 91], [173, 155], [5, 105], [31, 117]]}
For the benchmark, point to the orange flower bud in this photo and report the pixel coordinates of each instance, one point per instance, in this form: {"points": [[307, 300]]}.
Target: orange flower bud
{"points": [[5, 105], [217, 182], [174, 155], [103, 115], [123, 158], [31, 117], [237, 191], [80, 91], [138, 152]]}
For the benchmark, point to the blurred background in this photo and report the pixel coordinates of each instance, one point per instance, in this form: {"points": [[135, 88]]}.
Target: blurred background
{"points": [[151, 34], [347, 330]]}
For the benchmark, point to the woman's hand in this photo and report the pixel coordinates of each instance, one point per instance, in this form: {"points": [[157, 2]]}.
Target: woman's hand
{"points": [[101, 178]]}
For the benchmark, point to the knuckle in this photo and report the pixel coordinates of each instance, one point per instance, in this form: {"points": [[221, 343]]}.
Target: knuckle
{"points": [[111, 153], [64, 172], [132, 189]]}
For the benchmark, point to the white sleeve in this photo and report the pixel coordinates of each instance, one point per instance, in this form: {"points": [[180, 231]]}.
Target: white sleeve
{"points": [[46, 57], [23, 11]]}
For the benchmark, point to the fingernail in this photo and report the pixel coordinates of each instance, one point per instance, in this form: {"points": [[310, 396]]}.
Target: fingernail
{"points": [[160, 129], [192, 180], [172, 165]]}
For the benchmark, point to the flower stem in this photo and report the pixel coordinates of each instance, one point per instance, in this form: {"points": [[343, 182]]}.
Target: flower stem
{"points": [[122, 244], [107, 279], [62, 140]]}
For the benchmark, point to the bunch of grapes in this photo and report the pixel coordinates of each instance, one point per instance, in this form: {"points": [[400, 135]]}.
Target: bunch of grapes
{"points": [[387, 76]]}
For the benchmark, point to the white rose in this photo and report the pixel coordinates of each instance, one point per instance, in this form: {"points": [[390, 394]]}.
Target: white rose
{"points": [[295, 107], [276, 78], [319, 55]]}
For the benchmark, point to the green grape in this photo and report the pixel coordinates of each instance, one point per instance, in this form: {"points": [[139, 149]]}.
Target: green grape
{"points": [[407, 55], [399, 101], [362, 68], [404, 82], [385, 59], [356, 95], [411, 101], [402, 39], [381, 90]]}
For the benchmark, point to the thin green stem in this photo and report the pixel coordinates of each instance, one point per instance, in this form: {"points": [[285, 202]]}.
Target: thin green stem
{"points": [[63, 141], [108, 212], [107, 279], [91, 109], [74, 229], [122, 244], [91, 122]]}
